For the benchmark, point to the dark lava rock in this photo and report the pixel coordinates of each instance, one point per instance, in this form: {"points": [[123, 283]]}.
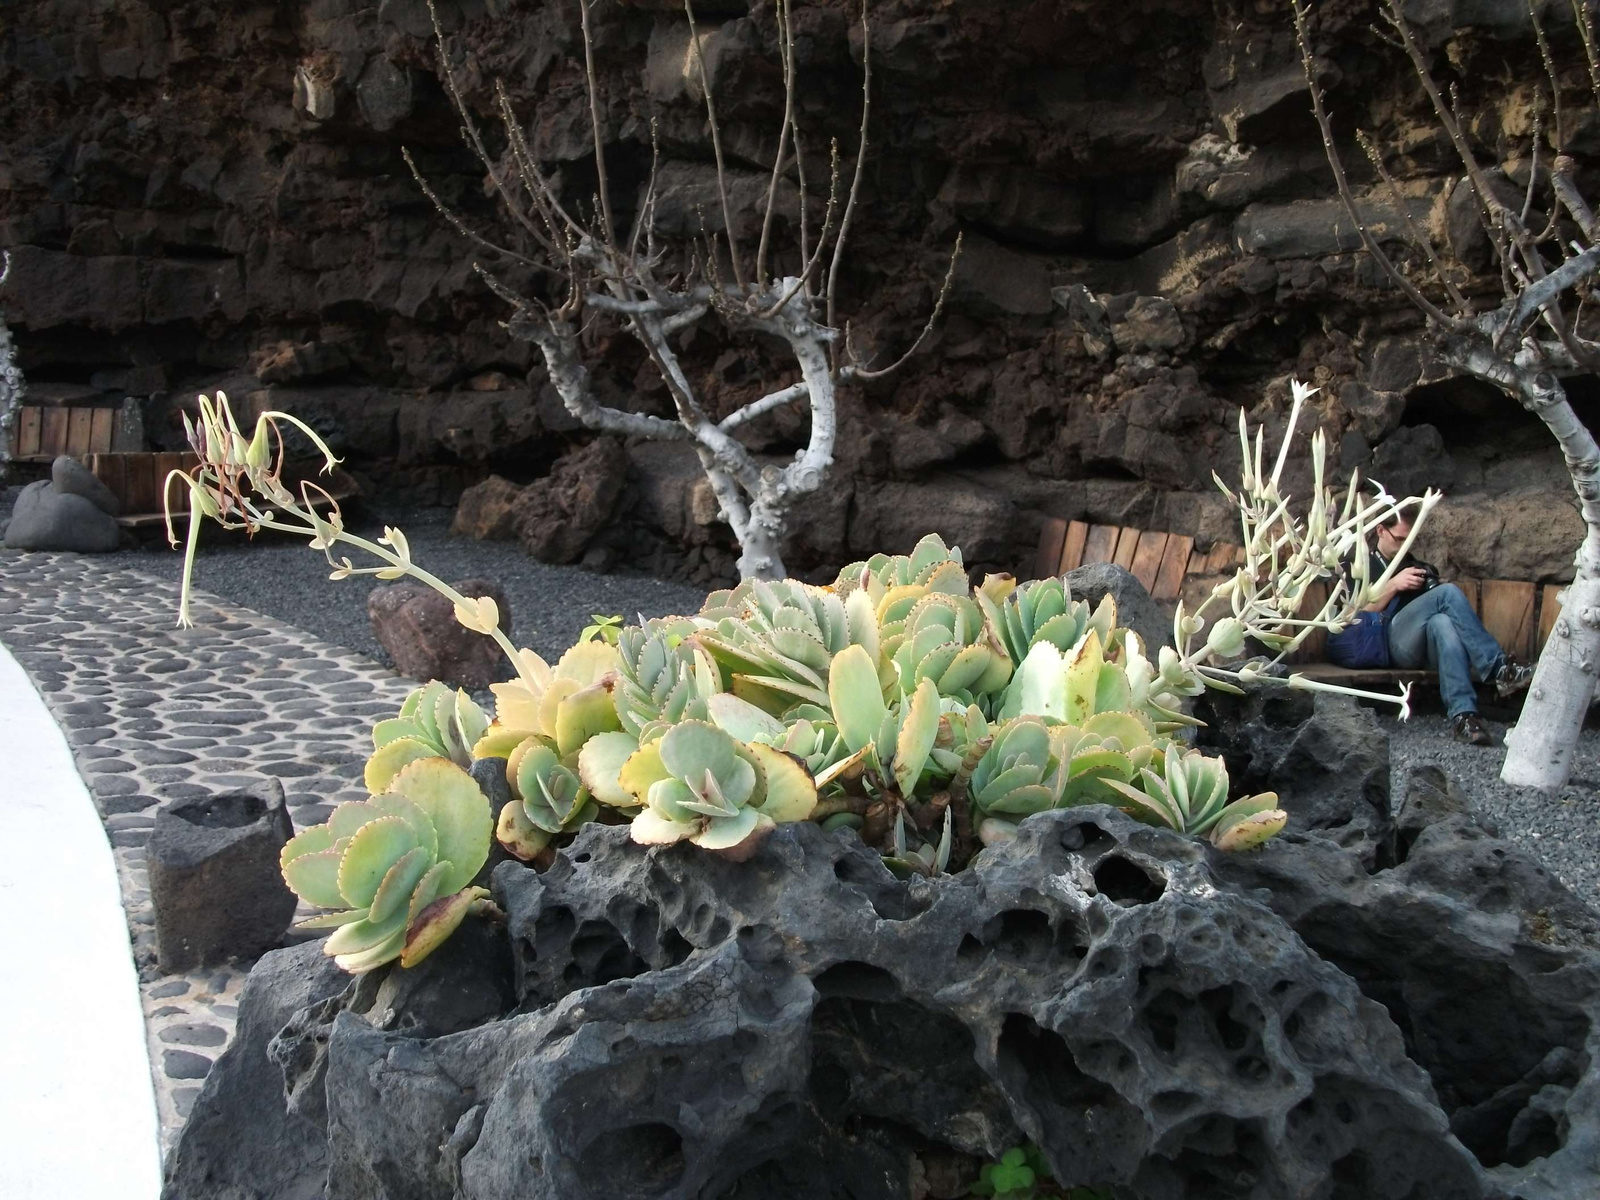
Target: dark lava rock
{"points": [[1135, 608], [214, 879], [1325, 756], [556, 516], [71, 478], [805, 1025], [241, 1141], [1488, 965], [418, 627], [44, 518]]}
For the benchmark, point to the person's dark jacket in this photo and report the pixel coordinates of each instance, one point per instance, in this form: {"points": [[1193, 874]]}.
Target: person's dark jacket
{"points": [[1364, 643]]}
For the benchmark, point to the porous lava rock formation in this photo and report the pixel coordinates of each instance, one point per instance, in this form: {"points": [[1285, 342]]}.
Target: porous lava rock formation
{"points": [[200, 195], [662, 1023]]}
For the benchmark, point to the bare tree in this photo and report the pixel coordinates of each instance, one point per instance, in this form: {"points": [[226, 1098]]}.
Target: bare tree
{"points": [[589, 268], [1530, 332]]}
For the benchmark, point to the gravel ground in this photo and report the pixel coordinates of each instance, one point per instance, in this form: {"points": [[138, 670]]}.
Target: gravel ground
{"points": [[549, 605], [283, 578], [1563, 829]]}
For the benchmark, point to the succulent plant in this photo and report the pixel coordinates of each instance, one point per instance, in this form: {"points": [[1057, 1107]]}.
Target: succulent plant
{"points": [[1043, 611], [434, 722], [930, 563], [661, 677], [700, 784], [929, 858], [1016, 776], [1189, 793], [1032, 766], [397, 868], [547, 798], [565, 705], [777, 639], [944, 638]]}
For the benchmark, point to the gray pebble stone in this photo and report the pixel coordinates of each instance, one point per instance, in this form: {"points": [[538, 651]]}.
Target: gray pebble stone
{"points": [[193, 1035], [184, 1064]]}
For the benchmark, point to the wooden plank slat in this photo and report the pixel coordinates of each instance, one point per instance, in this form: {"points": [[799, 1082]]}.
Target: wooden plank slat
{"points": [[139, 483], [1174, 562], [1315, 647], [1197, 562], [1100, 544], [103, 421], [165, 462], [1072, 550], [53, 435], [1469, 589], [112, 470], [1127, 543], [1052, 538], [1508, 614], [1549, 610], [80, 424], [1147, 558], [29, 426]]}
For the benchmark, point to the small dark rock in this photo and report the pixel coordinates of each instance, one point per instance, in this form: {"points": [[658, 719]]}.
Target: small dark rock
{"points": [[45, 519], [184, 1064], [556, 516], [1135, 608], [418, 627], [71, 478], [214, 878]]}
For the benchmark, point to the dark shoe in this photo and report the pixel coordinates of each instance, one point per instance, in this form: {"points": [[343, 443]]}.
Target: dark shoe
{"points": [[1511, 678], [1469, 727]]}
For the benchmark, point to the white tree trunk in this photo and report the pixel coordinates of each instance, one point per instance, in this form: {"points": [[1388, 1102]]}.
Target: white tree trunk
{"points": [[1539, 747]]}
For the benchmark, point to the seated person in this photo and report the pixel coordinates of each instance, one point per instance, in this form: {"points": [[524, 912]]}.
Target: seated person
{"points": [[1418, 621]]}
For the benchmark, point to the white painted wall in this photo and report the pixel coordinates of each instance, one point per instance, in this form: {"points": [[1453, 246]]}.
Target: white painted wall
{"points": [[77, 1113]]}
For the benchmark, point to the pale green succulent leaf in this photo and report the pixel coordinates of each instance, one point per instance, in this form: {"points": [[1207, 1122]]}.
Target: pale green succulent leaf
{"points": [[600, 764], [459, 811], [1022, 800], [1249, 831], [314, 877], [399, 883], [919, 729], [393, 729], [373, 849], [651, 829], [583, 714], [520, 836], [390, 759], [307, 841], [790, 793], [724, 833], [396, 805], [856, 697], [742, 720]]}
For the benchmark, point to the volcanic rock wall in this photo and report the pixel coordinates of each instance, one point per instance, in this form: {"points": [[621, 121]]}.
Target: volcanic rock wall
{"points": [[199, 195]]}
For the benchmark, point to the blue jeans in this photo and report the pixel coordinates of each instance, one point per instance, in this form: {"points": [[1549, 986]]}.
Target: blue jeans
{"points": [[1439, 629]]}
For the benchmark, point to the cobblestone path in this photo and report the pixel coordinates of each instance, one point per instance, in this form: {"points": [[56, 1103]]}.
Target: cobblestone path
{"points": [[155, 713]]}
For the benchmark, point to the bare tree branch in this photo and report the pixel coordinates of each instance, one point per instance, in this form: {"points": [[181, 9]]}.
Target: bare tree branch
{"points": [[861, 162], [786, 48], [1412, 293], [767, 403], [716, 144]]}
